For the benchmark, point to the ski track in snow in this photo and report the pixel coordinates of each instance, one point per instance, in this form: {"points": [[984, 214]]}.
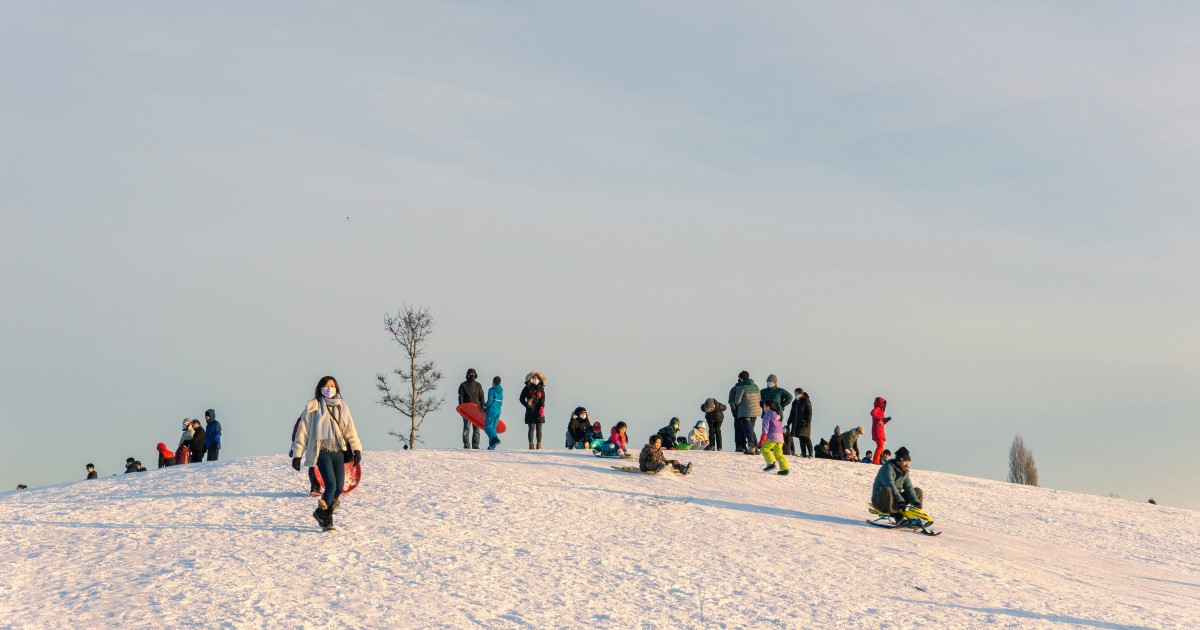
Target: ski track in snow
{"points": [[548, 539]]}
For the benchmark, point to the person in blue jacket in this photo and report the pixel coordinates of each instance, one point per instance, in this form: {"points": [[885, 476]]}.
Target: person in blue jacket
{"points": [[495, 400], [212, 435]]}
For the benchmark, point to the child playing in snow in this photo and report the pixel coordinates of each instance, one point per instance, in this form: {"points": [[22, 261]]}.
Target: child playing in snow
{"points": [[771, 442], [617, 442], [652, 460], [698, 437], [595, 437]]}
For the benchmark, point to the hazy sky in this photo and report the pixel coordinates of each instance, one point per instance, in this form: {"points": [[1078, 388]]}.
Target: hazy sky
{"points": [[984, 212]]}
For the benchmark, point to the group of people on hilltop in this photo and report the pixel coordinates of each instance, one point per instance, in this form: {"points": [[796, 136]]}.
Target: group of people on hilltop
{"points": [[194, 443]]}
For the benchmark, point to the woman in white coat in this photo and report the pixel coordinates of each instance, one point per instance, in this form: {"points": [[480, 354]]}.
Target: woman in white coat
{"points": [[327, 439]]}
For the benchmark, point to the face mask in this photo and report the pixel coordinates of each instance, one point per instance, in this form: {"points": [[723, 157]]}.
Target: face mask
{"points": [[535, 381], [328, 392]]}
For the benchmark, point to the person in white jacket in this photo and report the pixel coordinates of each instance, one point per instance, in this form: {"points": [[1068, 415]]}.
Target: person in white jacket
{"points": [[698, 437], [326, 439]]}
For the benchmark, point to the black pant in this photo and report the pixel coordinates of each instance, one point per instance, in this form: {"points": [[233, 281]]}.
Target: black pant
{"points": [[535, 428], [714, 434], [789, 447], [748, 433], [739, 437], [212, 454], [805, 446], [472, 430]]}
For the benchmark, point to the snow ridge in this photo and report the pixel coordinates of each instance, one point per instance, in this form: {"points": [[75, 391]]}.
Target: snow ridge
{"points": [[548, 539]]}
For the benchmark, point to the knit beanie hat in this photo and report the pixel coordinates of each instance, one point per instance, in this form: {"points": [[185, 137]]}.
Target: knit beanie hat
{"points": [[902, 455], [773, 379], [744, 375]]}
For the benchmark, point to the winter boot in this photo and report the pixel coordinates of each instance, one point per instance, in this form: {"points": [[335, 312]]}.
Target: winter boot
{"points": [[321, 513], [783, 472], [686, 468], [770, 467], [492, 444], [531, 446], [539, 446], [336, 502]]}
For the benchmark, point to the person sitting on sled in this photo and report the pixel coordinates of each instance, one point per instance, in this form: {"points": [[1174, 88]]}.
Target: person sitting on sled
{"points": [[698, 437], [652, 460], [893, 490], [595, 435], [670, 434], [617, 444]]}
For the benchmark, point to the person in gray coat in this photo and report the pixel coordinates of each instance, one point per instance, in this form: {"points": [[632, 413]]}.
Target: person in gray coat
{"points": [[748, 404]]}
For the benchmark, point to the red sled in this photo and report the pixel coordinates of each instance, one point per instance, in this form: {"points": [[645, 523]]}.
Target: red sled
{"points": [[181, 455], [473, 414], [353, 476]]}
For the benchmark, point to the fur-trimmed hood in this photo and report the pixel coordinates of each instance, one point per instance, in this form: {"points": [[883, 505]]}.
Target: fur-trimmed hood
{"points": [[541, 377]]}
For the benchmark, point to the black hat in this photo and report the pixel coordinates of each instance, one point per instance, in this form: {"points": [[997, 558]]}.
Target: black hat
{"points": [[744, 375], [902, 455], [471, 374]]}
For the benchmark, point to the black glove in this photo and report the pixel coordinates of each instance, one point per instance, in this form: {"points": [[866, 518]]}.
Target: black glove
{"points": [[296, 463], [916, 504], [357, 457], [887, 419]]}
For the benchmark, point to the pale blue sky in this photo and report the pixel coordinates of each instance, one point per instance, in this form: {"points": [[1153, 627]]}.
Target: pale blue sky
{"points": [[983, 212]]}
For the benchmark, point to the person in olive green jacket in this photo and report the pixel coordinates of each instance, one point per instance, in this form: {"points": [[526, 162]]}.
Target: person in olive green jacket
{"points": [[747, 405], [850, 443], [780, 398]]}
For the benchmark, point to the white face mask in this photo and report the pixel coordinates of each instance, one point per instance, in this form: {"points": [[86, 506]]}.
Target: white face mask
{"points": [[328, 392], [534, 381]]}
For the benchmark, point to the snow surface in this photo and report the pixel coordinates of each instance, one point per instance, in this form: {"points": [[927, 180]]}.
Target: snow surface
{"points": [[548, 539]]}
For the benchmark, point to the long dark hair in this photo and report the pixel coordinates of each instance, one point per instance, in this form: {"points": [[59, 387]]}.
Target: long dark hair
{"points": [[321, 383]]}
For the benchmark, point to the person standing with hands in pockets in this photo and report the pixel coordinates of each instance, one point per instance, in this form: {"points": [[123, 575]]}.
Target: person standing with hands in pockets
{"points": [[326, 439]]}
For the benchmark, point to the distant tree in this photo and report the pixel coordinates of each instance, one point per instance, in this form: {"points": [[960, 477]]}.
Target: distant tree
{"points": [[1113, 495], [1021, 467], [1152, 501], [411, 327]]}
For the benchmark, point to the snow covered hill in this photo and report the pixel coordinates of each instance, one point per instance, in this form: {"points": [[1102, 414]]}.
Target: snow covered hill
{"points": [[557, 539]]}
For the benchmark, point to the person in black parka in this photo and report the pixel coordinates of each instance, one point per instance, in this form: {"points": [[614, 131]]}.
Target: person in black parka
{"points": [[578, 429], [471, 392], [197, 444], [714, 415], [533, 398], [800, 422]]}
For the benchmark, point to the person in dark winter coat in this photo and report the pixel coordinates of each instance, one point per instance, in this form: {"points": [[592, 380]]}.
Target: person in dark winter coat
{"points": [[212, 435], [739, 440], [197, 444], [165, 456], [714, 415], [578, 429], [893, 490], [533, 398], [878, 434], [470, 391], [651, 458], [835, 444], [822, 450], [780, 398], [748, 405], [91, 470], [130, 465], [594, 434], [800, 422], [670, 434]]}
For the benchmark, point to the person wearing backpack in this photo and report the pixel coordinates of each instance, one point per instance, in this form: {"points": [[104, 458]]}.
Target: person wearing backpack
{"points": [[212, 435]]}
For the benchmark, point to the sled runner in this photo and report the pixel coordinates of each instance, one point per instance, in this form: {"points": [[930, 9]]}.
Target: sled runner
{"points": [[913, 518]]}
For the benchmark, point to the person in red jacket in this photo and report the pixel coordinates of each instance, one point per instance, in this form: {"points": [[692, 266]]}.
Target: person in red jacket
{"points": [[877, 431]]}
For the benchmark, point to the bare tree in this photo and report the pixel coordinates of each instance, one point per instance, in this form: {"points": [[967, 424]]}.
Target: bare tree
{"points": [[1021, 467], [411, 327]]}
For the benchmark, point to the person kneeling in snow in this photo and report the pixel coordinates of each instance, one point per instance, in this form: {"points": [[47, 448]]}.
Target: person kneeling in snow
{"points": [[165, 456], [578, 429], [893, 491], [652, 460]]}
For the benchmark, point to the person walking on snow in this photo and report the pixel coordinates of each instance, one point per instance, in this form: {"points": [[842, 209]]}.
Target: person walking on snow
{"points": [[495, 400], [771, 442], [651, 458], [714, 415], [780, 398], [325, 436], [470, 391], [878, 433], [800, 421], [212, 435], [748, 404], [533, 398]]}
